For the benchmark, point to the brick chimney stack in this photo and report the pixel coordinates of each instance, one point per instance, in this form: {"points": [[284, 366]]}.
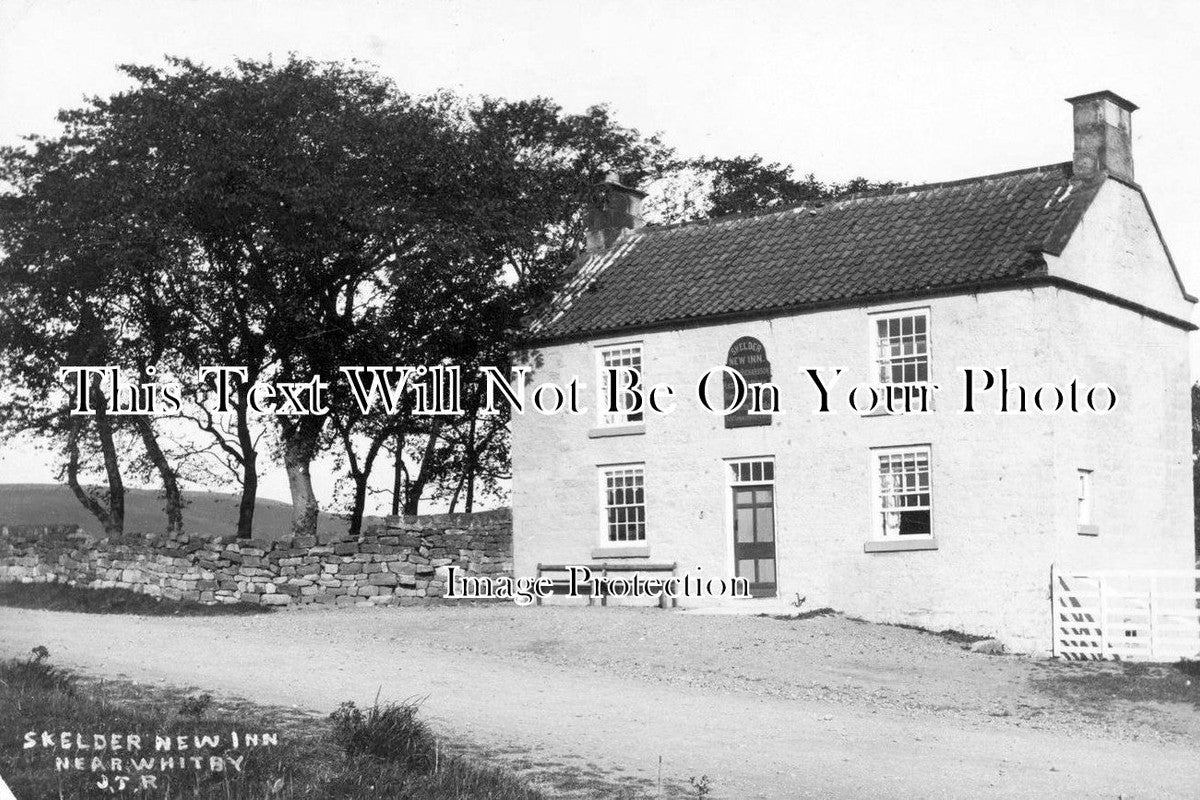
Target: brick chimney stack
{"points": [[614, 209], [1103, 135]]}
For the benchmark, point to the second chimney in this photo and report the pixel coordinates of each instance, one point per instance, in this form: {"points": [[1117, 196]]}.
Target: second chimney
{"points": [[1103, 135], [614, 209]]}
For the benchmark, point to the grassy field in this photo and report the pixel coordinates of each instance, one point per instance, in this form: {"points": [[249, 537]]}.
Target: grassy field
{"points": [[378, 751], [206, 512], [61, 597]]}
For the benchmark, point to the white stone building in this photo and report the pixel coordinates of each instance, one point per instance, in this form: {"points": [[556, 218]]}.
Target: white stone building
{"points": [[943, 519]]}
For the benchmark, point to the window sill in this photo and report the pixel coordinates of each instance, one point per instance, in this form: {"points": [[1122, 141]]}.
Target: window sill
{"points": [[1089, 530], [897, 546], [636, 429], [918, 392], [883, 412], [614, 551]]}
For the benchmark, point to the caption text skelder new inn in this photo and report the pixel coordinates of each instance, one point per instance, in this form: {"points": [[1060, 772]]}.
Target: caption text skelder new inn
{"points": [[437, 390]]}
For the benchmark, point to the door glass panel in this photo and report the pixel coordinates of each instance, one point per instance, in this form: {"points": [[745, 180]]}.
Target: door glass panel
{"points": [[746, 569], [766, 570], [762, 497], [745, 524], [766, 523]]}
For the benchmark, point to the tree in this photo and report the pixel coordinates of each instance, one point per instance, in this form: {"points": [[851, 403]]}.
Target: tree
{"points": [[302, 198], [57, 282], [292, 218], [531, 169], [716, 187]]}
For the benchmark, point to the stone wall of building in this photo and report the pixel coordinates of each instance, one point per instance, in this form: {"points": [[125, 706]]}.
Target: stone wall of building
{"points": [[1004, 486], [401, 562]]}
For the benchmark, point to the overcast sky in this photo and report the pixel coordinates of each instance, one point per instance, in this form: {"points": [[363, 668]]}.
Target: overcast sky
{"points": [[910, 91]]}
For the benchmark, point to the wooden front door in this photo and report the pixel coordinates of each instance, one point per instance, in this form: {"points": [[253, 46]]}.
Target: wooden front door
{"points": [[754, 537]]}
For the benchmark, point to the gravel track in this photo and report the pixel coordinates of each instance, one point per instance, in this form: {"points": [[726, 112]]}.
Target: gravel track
{"points": [[585, 701]]}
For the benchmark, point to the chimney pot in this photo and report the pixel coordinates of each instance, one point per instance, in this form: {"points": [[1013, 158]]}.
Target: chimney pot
{"points": [[614, 209], [1103, 135]]}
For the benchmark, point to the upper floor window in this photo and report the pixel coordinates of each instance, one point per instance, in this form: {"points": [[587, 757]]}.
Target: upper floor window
{"points": [[901, 347], [626, 357], [903, 492]]}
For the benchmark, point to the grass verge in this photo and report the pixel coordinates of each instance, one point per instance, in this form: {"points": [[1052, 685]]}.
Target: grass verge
{"points": [[949, 634], [803, 615], [1097, 685], [381, 751], [62, 597]]}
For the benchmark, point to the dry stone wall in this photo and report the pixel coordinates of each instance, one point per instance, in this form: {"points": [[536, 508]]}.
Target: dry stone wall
{"points": [[401, 562]]}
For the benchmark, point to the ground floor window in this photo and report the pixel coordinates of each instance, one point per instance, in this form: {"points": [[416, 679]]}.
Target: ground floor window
{"points": [[903, 492], [623, 495]]}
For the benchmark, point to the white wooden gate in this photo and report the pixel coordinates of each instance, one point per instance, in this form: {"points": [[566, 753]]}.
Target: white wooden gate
{"points": [[1138, 615]]}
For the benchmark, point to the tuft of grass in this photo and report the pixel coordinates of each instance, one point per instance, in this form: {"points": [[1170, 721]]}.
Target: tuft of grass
{"points": [[816, 612], [949, 634], [195, 706], [389, 732], [62, 597], [384, 751], [391, 739], [22, 678]]}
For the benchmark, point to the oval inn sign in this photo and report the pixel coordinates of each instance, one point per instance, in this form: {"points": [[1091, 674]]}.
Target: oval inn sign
{"points": [[749, 358]]}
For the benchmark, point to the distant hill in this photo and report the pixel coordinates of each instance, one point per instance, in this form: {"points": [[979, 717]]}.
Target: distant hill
{"points": [[207, 512]]}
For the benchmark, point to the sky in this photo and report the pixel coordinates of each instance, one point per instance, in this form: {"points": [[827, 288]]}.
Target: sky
{"points": [[909, 91]]}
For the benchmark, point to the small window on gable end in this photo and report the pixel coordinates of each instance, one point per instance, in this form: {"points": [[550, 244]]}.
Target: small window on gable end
{"points": [[1084, 503]]}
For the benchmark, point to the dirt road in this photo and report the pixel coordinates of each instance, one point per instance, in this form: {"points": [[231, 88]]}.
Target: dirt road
{"points": [[586, 701]]}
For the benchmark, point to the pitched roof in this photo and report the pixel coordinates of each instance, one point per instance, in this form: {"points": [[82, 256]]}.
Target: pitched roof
{"points": [[964, 234]]}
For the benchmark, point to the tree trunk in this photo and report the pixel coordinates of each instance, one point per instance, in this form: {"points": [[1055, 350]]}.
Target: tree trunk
{"points": [[361, 475], [472, 462], [457, 491], [245, 523], [398, 475], [300, 447], [249, 459], [297, 458], [112, 465], [92, 505], [170, 481], [360, 503], [412, 498]]}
